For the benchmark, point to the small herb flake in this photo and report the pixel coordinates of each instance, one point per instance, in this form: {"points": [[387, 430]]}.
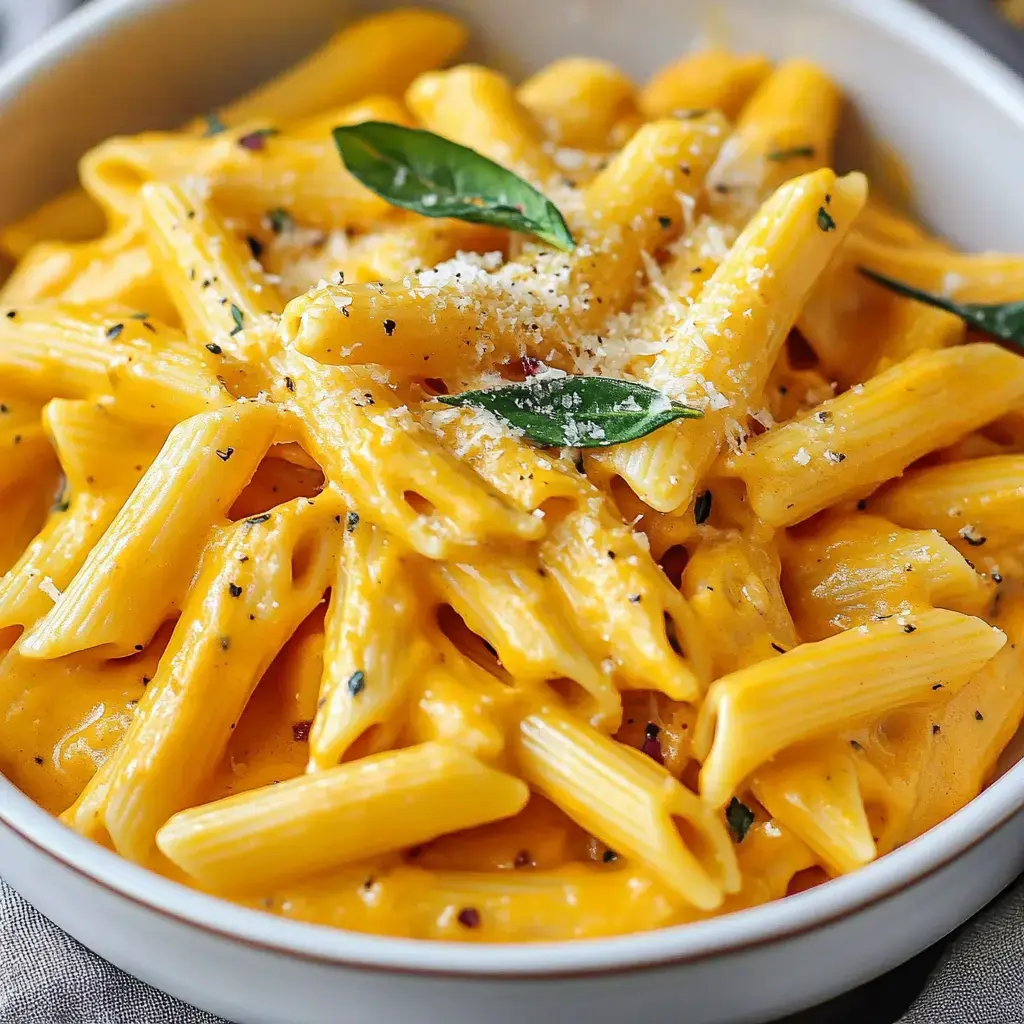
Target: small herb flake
{"points": [[234, 590], [256, 520], [114, 331], [978, 716], [239, 317], [357, 682], [796, 153], [214, 125], [739, 817], [224, 453], [702, 507], [825, 220], [255, 246], [778, 647], [389, 327], [289, 383], [351, 521], [280, 220], [214, 348], [609, 856]]}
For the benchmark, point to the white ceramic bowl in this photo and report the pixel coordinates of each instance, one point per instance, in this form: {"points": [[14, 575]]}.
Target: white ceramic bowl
{"points": [[958, 120]]}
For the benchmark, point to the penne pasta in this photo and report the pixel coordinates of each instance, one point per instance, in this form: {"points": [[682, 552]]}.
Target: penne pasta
{"points": [[850, 444], [319, 821], [819, 688]]}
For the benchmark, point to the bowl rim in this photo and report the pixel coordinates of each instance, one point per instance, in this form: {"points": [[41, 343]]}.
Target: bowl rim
{"points": [[687, 943]]}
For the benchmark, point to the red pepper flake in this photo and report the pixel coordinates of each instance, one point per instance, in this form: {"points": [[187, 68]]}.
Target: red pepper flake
{"points": [[469, 917], [530, 366], [256, 141], [652, 745], [936, 729], [389, 327], [300, 731]]}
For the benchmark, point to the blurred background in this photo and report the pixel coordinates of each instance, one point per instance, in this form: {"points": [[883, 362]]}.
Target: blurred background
{"points": [[997, 24]]}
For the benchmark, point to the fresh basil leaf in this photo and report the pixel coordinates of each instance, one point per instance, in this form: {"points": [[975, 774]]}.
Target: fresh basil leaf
{"points": [[1002, 320], [739, 817], [426, 173], [578, 411]]}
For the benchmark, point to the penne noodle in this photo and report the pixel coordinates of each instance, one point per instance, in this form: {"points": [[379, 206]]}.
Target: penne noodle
{"points": [[319, 821], [852, 443], [753, 714]]}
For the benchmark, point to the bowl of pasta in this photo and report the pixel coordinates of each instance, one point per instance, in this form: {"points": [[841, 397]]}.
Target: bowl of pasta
{"points": [[506, 512]]}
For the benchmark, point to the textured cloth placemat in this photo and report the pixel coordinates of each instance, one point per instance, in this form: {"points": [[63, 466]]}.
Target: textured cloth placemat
{"points": [[46, 977]]}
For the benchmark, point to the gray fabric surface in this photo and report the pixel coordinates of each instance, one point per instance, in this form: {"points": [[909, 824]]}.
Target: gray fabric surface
{"points": [[46, 977], [980, 978]]}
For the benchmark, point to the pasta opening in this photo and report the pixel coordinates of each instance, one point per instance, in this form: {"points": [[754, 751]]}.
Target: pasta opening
{"points": [[434, 386], [556, 509], [806, 879], [673, 562], [697, 842], [420, 505], [672, 635], [799, 354], [471, 644], [304, 558]]}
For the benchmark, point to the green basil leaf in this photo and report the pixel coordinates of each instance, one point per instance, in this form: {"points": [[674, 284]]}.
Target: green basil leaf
{"points": [[739, 817], [425, 173], [578, 411], [1002, 320]]}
